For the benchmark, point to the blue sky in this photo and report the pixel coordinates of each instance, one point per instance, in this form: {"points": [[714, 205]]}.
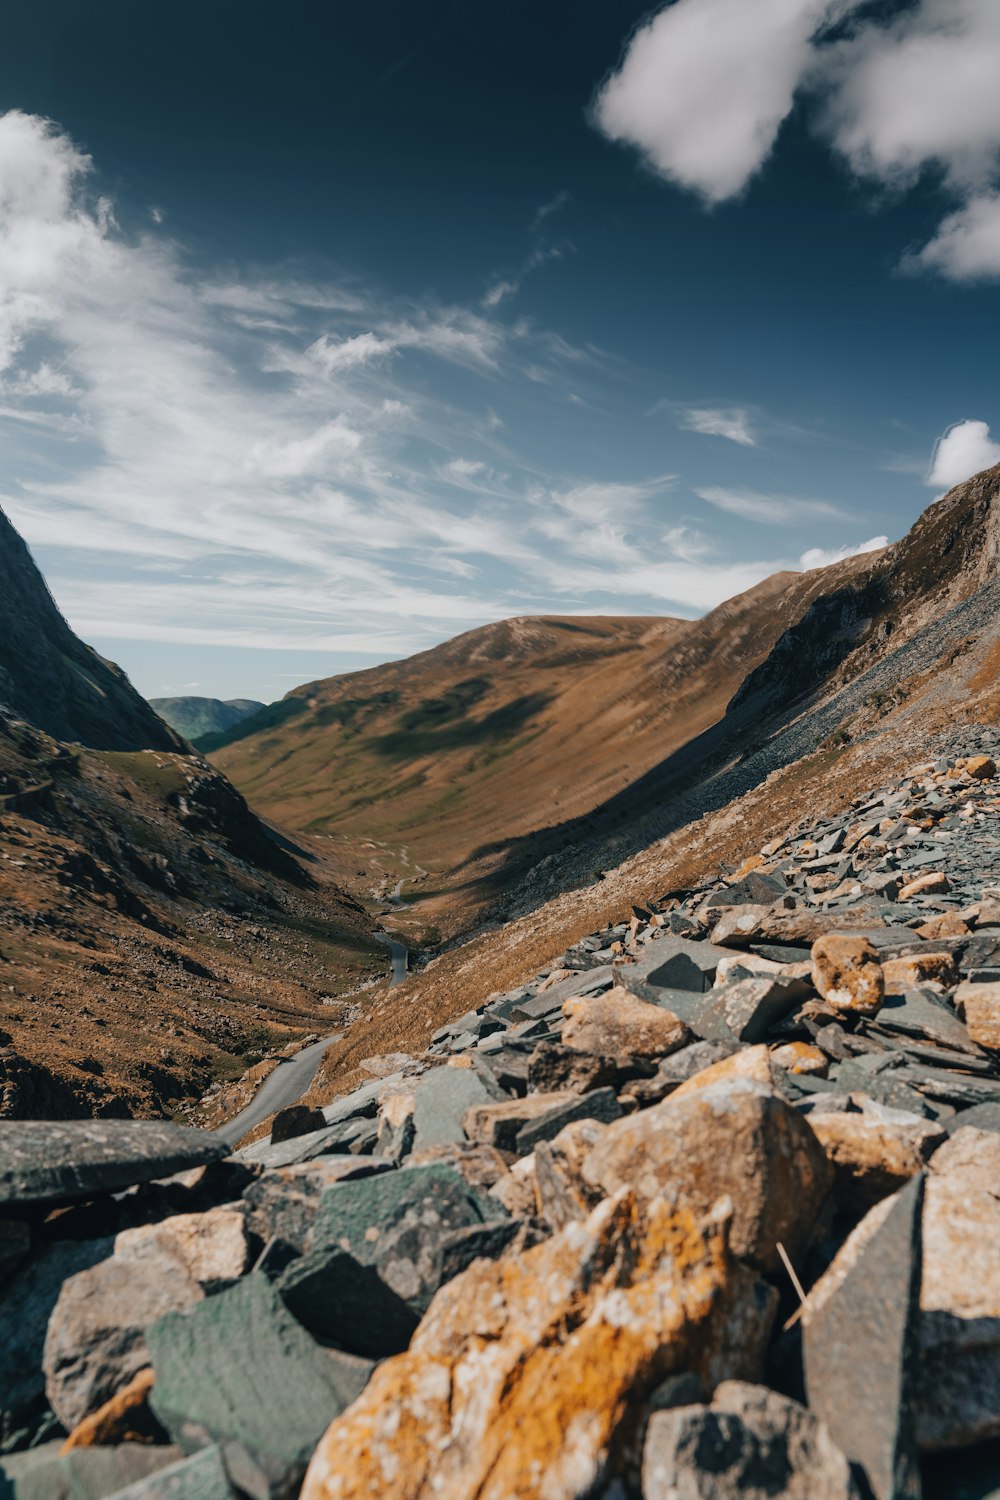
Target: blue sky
{"points": [[328, 334]]}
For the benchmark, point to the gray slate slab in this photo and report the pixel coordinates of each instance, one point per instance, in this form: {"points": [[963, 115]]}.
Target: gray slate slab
{"points": [[340, 1301], [746, 1009], [65, 1161], [83, 1474], [201, 1477], [860, 1347], [672, 963], [440, 1100], [922, 1013], [599, 1104], [238, 1370]]}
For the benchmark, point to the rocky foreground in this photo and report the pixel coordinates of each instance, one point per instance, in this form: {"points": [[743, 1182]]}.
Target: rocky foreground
{"points": [[711, 1208]]}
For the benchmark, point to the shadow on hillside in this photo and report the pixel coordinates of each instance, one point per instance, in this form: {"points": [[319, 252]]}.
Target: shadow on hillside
{"points": [[418, 733]]}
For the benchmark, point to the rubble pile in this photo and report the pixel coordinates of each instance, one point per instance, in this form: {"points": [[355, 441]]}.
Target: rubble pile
{"points": [[708, 1209]]}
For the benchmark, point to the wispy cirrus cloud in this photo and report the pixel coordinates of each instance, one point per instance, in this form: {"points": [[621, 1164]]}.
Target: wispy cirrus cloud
{"points": [[770, 510], [732, 422]]}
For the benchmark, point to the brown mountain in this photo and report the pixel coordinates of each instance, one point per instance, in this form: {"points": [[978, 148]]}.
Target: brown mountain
{"points": [[154, 935]]}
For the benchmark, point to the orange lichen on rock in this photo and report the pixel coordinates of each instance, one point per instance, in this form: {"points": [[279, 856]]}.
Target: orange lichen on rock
{"points": [[525, 1376]]}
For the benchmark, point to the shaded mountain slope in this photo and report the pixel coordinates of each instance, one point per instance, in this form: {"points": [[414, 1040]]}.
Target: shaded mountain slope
{"points": [[51, 678], [154, 935], [195, 717]]}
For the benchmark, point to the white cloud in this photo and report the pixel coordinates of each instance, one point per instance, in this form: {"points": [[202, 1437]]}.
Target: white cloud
{"points": [[964, 450], [333, 355], [726, 422], [547, 209], [821, 557], [705, 85], [966, 246], [771, 510]]}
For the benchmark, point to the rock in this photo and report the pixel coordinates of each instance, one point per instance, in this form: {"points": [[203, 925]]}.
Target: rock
{"points": [[396, 1128], [847, 973], [85, 1474], [925, 1015], [518, 1124], [201, 1477], [753, 889], [980, 1004], [936, 971], [731, 1138], [671, 963], [554, 1068], [63, 1161], [619, 1025], [750, 1444], [95, 1343], [753, 1063], [980, 767], [401, 1224], [481, 1166], [126, 1418], [441, 1100], [931, 884], [740, 926], [561, 1191], [340, 1301], [240, 1371], [517, 1191], [746, 1009], [860, 1345], [801, 1058], [523, 1377], [948, 924], [25, 1308], [598, 1104], [874, 1151], [283, 1204], [296, 1120], [15, 1242], [958, 1371]]}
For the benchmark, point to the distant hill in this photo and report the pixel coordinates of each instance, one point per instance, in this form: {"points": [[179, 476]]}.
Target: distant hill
{"points": [[195, 717]]}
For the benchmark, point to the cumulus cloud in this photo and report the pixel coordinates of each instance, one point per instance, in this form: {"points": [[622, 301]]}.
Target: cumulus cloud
{"points": [[726, 422], [965, 449], [770, 510], [704, 87], [821, 557]]}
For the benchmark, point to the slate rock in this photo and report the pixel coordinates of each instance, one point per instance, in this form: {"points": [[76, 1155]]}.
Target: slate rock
{"points": [[671, 963], [340, 1301], [26, 1305], [746, 1009], [283, 1204], [201, 1477], [922, 1013], [556, 1068], [755, 889], [874, 1151], [238, 1370], [750, 1444], [860, 1345], [85, 1474], [64, 1161], [441, 1099], [296, 1120], [847, 973], [15, 1242], [677, 1069], [598, 1104]]}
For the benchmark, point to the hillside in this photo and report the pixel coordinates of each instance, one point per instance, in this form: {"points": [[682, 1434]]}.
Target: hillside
{"points": [[196, 717], [154, 935], [431, 770]]}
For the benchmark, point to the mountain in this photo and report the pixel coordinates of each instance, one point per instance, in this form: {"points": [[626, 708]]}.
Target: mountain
{"points": [[196, 717], [155, 937], [52, 679], [435, 769]]}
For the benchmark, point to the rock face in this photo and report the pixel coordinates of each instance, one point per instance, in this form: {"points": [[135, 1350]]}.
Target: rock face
{"points": [[750, 1444], [520, 1379], [52, 679], [51, 1162], [732, 1139]]}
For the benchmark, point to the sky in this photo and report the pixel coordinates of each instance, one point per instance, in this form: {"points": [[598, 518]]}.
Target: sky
{"points": [[328, 332]]}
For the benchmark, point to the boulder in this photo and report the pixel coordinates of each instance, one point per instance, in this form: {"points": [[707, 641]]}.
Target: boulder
{"points": [[65, 1161], [201, 1477], [671, 963], [526, 1375], [562, 1193], [860, 1345], [340, 1301], [934, 970], [518, 1124], [296, 1120], [441, 1100], [95, 1342], [84, 1474], [980, 1004], [753, 1063], [874, 1151], [238, 1370], [750, 1444], [283, 1204], [733, 1139], [935, 882], [744, 1010], [847, 973], [801, 1058], [620, 1025], [554, 1068]]}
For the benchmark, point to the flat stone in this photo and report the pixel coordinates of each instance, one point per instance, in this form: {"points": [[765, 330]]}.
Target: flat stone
{"points": [[499, 1124], [750, 1444], [677, 1069], [85, 1474], [921, 1013], [440, 1102], [979, 1117], [201, 1477], [847, 973], [746, 1009], [875, 1151], [64, 1161], [754, 889], [598, 1104], [238, 1370], [860, 1345], [26, 1305], [671, 963]]}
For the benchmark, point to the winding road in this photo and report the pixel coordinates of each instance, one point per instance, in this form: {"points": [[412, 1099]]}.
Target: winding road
{"points": [[293, 1076]]}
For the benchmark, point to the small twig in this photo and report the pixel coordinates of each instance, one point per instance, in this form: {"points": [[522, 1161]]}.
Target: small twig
{"points": [[796, 1283]]}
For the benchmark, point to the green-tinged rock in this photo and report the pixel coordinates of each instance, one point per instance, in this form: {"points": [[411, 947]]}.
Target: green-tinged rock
{"points": [[64, 1161], [238, 1370], [201, 1477], [84, 1474]]}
